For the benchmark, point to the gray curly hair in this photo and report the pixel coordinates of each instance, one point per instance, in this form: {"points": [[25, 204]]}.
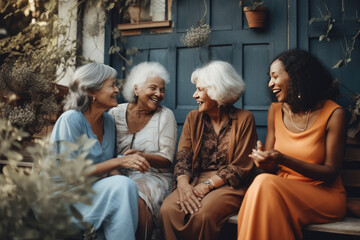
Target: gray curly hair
{"points": [[139, 74], [221, 81]]}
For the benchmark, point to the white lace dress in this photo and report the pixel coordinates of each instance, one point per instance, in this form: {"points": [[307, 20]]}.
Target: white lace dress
{"points": [[157, 137]]}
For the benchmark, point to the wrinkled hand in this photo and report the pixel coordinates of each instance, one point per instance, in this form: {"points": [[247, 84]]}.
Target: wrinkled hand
{"points": [[135, 161], [133, 151], [267, 160], [201, 190], [188, 201]]}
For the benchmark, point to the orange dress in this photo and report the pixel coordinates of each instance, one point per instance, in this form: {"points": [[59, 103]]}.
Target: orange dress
{"points": [[278, 206]]}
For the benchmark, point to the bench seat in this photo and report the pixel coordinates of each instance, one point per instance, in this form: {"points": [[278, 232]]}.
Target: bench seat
{"points": [[347, 226], [350, 225]]}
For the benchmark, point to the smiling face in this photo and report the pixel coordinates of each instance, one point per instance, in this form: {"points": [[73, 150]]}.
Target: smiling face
{"points": [[106, 96], [206, 104], [279, 80], [151, 93]]}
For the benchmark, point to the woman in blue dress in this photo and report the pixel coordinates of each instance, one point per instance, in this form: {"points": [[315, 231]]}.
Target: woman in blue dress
{"points": [[114, 209]]}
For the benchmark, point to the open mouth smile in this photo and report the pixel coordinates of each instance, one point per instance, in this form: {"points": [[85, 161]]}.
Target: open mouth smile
{"points": [[276, 92], [155, 100]]}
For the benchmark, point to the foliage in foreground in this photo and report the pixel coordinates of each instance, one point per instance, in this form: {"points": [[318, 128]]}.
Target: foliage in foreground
{"points": [[38, 203]]}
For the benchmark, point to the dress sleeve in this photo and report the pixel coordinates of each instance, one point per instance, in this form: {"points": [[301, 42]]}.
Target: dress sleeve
{"points": [[68, 128], [241, 169], [184, 155], [167, 134], [183, 164]]}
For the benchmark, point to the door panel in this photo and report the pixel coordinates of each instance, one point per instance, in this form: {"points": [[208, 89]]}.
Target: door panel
{"points": [[248, 50], [329, 52]]}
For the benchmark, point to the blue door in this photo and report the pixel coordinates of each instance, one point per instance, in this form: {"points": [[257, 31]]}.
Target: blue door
{"points": [[250, 51]]}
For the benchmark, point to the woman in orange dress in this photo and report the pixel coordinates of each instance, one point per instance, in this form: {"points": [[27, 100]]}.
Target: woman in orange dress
{"points": [[302, 155]]}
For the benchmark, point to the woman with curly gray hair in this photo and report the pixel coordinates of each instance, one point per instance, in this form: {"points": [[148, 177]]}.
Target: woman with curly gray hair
{"points": [[92, 90], [213, 167], [146, 128]]}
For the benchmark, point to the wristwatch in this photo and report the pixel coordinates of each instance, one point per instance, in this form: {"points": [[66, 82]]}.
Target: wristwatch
{"points": [[208, 183]]}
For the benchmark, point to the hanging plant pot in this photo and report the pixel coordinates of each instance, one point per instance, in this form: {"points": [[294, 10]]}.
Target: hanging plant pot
{"points": [[256, 18]]}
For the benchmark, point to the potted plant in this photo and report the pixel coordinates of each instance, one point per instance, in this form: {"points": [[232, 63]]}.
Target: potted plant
{"points": [[254, 12]]}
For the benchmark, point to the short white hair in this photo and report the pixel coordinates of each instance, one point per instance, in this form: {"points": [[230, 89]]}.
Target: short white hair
{"points": [[221, 82], [88, 77], [139, 74]]}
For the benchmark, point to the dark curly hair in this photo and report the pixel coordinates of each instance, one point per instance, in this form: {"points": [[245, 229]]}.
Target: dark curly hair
{"points": [[310, 81]]}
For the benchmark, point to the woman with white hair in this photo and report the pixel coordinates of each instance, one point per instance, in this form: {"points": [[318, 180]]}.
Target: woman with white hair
{"points": [[146, 128], [114, 209], [213, 167]]}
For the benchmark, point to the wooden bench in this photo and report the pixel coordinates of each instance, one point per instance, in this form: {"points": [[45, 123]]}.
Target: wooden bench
{"points": [[349, 227]]}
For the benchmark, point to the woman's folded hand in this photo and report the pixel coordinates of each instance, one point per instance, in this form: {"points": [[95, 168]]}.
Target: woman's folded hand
{"points": [[265, 159], [188, 201], [135, 161], [201, 190]]}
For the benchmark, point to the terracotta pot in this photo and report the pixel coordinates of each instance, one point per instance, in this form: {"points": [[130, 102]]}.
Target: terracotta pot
{"points": [[256, 18]]}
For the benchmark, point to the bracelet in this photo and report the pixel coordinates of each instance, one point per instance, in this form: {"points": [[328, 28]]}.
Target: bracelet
{"points": [[212, 183], [208, 184]]}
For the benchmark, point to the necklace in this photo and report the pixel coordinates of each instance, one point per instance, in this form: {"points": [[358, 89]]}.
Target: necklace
{"points": [[306, 124]]}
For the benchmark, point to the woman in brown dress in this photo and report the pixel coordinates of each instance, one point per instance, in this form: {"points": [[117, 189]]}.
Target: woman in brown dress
{"points": [[213, 167]]}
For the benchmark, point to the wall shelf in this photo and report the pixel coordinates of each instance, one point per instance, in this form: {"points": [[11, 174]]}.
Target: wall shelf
{"points": [[142, 25]]}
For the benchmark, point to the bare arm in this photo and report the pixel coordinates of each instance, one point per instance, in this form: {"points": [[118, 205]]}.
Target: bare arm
{"points": [[270, 135], [334, 144], [154, 160], [134, 161], [265, 162]]}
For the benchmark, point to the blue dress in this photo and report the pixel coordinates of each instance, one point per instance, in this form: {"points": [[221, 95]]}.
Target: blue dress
{"points": [[114, 209]]}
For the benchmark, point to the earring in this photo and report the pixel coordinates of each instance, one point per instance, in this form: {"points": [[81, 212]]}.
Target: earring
{"points": [[299, 96], [93, 100]]}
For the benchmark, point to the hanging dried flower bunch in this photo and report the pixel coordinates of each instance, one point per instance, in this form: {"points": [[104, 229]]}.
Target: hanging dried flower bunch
{"points": [[198, 35]]}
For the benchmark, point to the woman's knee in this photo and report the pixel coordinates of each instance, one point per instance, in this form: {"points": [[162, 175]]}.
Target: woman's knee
{"points": [[166, 208], [264, 181], [122, 186]]}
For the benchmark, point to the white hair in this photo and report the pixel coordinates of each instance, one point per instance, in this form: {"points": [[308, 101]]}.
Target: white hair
{"points": [[221, 81], [88, 77], [139, 74]]}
